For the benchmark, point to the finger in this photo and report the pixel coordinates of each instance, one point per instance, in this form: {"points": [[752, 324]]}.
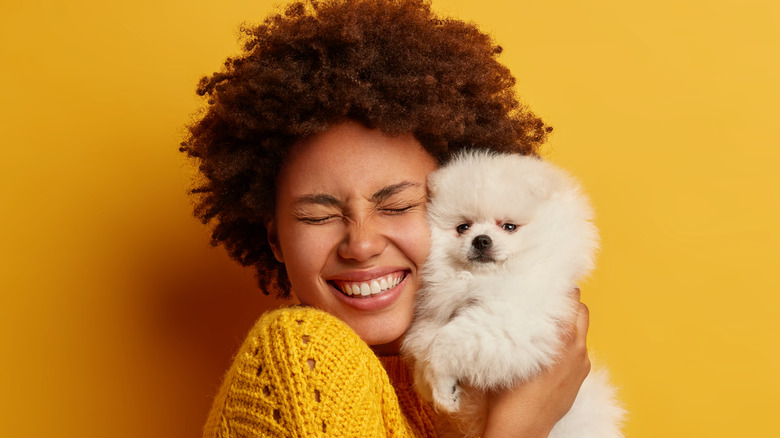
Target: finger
{"points": [[583, 319], [573, 327]]}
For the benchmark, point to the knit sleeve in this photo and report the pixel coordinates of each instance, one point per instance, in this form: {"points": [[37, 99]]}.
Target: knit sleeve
{"points": [[302, 372]]}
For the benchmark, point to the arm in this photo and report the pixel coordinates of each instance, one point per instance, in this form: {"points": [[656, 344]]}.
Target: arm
{"points": [[533, 408]]}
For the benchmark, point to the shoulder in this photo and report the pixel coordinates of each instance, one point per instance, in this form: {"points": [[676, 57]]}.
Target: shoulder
{"points": [[302, 372], [296, 326], [306, 342]]}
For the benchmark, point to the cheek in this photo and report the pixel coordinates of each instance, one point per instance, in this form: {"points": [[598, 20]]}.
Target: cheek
{"points": [[413, 238], [305, 251]]}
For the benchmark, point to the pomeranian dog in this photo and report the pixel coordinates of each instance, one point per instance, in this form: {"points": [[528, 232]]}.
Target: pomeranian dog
{"points": [[510, 237]]}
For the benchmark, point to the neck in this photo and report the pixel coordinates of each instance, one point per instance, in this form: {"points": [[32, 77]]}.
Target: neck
{"points": [[390, 349]]}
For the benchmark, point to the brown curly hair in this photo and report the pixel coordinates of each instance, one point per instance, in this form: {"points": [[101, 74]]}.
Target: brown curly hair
{"points": [[389, 64]]}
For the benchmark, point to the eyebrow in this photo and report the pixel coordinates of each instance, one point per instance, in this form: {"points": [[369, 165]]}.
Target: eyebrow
{"points": [[378, 196], [386, 192], [318, 198]]}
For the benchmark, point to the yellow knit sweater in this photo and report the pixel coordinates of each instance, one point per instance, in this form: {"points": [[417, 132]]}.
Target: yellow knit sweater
{"points": [[304, 373]]}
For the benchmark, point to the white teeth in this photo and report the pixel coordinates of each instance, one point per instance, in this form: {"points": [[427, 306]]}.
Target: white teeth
{"points": [[372, 287]]}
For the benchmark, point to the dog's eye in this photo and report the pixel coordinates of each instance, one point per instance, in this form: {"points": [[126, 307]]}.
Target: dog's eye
{"points": [[509, 227], [462, 228]]}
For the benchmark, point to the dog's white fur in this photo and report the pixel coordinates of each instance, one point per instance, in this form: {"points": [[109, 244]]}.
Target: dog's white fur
{"points": [[487, 320]]}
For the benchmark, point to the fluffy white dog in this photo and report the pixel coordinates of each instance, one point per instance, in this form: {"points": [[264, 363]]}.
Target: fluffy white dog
{"points": [[511, 235]]}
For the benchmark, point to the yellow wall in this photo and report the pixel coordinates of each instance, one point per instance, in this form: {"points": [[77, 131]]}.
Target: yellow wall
{"points": [[117, 319]]}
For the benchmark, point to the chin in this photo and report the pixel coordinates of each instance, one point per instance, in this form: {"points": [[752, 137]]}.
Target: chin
{"points": [[510, 237], [378, 328], [382, 333]]}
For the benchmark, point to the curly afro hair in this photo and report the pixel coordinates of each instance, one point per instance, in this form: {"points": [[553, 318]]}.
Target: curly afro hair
{"points": [[392, 65]]}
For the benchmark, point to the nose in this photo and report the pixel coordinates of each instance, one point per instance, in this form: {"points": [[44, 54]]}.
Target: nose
{"points": [[361, 242], [482, 242]]}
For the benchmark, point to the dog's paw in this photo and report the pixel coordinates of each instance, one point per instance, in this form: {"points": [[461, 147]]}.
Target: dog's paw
{"points": [[447, 394], [421, 381]]}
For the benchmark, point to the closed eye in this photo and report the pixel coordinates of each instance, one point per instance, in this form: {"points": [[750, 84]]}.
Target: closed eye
{"points": [[396, 210], [315, 220]]}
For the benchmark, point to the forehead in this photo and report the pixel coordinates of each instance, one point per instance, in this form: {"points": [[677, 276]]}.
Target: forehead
{"points": [[352, 159]]}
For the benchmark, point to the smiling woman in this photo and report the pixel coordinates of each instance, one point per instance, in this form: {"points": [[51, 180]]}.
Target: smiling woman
{"points": [[350, 211], [315, 149]]}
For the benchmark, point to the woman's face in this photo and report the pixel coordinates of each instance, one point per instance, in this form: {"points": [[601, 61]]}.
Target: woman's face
{"points": [[350, 227]]}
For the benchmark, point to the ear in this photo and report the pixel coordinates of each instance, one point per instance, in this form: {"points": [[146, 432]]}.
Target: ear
{"points": [[432, 184], [539, 187], [273, 240]]}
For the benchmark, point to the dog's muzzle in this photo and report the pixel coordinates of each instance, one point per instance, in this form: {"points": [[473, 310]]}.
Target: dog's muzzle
{"points": [[482, 243], [480, 249]]}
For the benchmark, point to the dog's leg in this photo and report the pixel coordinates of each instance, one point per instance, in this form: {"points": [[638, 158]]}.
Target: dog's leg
{"points": [[418, 343], [445, 388], [446, 363]]}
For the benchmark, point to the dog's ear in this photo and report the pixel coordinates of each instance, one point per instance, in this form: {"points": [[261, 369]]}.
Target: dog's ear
{"points": [[543, 179], [539, 186], [432, 183]]}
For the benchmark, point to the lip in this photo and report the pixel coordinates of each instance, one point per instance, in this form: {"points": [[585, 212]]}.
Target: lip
{"points": [[371, 303], [482, 259]]}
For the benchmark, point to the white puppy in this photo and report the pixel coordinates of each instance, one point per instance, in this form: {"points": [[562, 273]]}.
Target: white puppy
{"points": [[510, 236]]}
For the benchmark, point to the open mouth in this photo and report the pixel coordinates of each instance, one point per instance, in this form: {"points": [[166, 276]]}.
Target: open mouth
{"points": [[370, 288]]}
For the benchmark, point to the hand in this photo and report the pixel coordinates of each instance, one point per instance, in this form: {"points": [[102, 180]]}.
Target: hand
{"points": [[532, 408]]}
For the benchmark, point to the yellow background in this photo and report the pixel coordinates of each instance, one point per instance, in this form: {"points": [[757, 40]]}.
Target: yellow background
{"points": [[118, 318]]}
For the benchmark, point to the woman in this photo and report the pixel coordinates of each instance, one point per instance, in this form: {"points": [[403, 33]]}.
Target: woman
{"points": [[315, 150]]}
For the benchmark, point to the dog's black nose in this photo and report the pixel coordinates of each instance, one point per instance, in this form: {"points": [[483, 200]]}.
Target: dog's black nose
{"points": [[482, 242]]}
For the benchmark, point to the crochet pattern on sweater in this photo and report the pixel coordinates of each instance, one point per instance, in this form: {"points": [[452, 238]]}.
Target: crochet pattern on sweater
{"points": [[304, 373]]}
